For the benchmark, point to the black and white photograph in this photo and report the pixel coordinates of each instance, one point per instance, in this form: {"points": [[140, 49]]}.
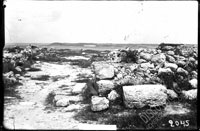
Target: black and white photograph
{"points": [[100, 65]]}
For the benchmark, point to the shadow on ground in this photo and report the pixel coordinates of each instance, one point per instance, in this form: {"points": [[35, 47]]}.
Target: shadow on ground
{"points": [[125, 118]]}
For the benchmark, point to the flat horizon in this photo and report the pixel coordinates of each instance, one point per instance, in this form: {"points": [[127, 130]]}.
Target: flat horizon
{"points": [[48, 43]]}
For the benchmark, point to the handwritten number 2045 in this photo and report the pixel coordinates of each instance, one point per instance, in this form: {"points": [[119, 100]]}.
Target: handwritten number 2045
{"points": [[179, 123]]}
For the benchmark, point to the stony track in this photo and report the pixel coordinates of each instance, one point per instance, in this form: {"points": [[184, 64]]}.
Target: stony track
{"points": [[31, 111]]}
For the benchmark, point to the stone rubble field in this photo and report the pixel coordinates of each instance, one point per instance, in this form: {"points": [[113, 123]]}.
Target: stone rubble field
{"points": [[47, 88]]}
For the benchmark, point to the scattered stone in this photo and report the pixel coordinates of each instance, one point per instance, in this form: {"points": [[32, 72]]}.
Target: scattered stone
{"points": [[144, 95], [181, 63], [58, 97], [164, 71], [105, 85], [120, 76], [79, 88], [62, 102], [27, 69], [133, 67], [27, 75], [145, 66], [17, 75], [193, 83], [181, 71], [113, 95], [190, 94], [99, 103], [171, 94], [159, 51], [145, 56], [180, 58], [172, 66], [104, 71], [191, 59], [170, 52], [194, 75], [141, 61], [170, 59], [159, 58], [18, 69]]}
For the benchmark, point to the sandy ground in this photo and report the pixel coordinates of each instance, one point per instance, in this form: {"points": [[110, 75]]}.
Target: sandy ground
{"points": [[30, 111]]}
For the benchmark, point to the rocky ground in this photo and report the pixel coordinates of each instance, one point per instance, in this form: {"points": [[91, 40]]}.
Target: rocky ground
{"points": [[32, 110], [61, 89]]}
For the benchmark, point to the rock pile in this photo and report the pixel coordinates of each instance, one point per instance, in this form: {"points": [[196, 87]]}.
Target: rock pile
{"points": [[148, 77]]}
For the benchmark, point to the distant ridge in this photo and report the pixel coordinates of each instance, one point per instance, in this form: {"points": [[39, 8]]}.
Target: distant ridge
{"points": [[57, 44]]}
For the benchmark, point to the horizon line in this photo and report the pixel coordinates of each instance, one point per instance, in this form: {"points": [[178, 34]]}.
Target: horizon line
{"points": [[90, 43]]}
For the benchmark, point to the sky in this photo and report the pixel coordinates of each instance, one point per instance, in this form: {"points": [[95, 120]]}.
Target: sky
{"points": [[149, 22]]}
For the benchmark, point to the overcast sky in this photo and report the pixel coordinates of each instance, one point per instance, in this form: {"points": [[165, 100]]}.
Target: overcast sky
{"points": [[101, 21]]}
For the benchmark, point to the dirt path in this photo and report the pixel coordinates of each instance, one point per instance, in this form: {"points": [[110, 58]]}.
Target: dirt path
{"points": [[30, 112]]}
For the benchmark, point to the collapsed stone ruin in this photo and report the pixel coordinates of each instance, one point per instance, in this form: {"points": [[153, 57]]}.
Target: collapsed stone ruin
{"points": [[150, 77], [138, 77]]}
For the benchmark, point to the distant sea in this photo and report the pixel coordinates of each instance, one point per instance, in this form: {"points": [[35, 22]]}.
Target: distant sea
{"points": [[90, 46]]}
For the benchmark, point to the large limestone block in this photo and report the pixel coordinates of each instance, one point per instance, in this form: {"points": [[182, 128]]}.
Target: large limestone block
{"points": [[104, 71], [138, 96]]}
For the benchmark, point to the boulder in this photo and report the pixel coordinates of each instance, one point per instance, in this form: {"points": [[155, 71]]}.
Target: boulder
{"points": [[113, 95], [139, 61], [164, 71], [171, 94], [133, 67], [145, 56], [99, 103], [181, 63], [62, 102], [105, 85], [180, 57], [172, 66], [194, 74], [18, 69], [145, 66], [104, 71], [158, 58], [181, 71], [159, 51], [79, 88], [170, 58], [193, 83], [191, 59], [170, 52], [190, 94], [144, 95]]}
